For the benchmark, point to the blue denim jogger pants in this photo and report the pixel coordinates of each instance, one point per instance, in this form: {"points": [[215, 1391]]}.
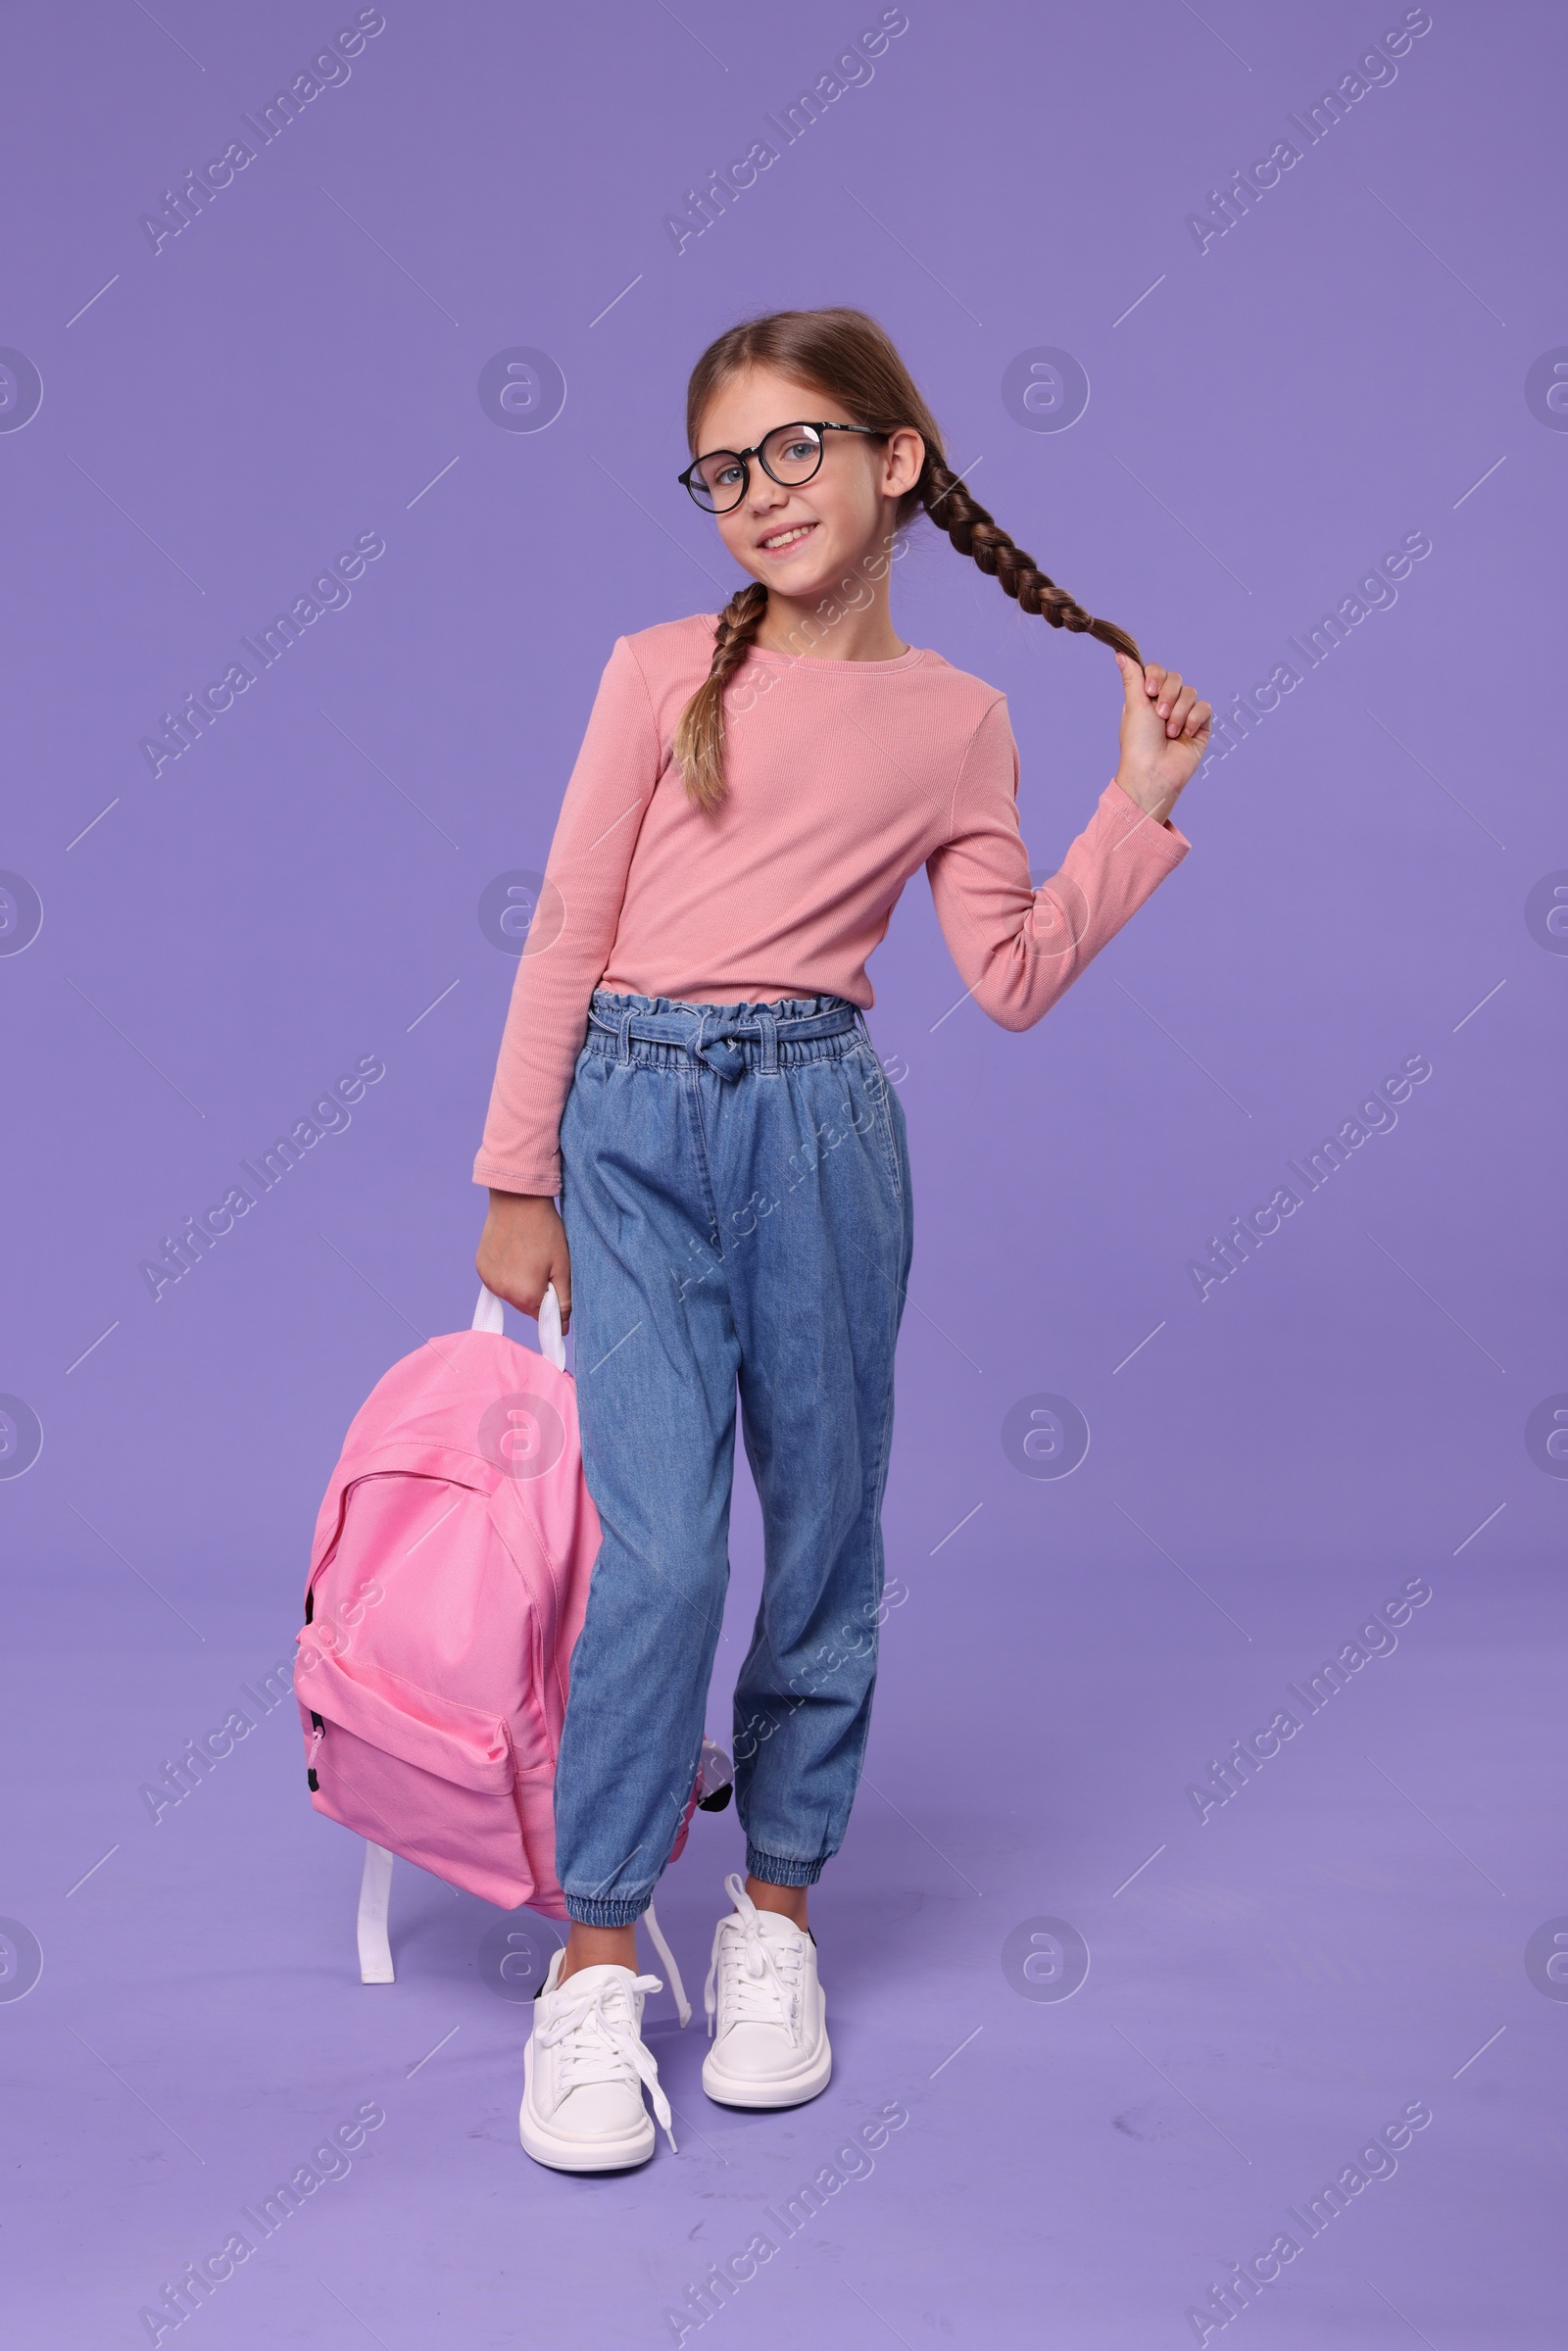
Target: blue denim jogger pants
{"points": [[736, 1195]]}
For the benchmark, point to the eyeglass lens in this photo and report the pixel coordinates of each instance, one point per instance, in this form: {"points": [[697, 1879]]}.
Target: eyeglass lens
{"points": [[791, 455]]}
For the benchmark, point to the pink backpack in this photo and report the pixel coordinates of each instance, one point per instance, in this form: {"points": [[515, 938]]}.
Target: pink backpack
{"points": [[447, 1587]]}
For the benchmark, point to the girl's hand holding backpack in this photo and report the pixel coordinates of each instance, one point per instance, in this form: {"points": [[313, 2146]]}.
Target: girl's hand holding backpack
{"points": [[522, 1250]]}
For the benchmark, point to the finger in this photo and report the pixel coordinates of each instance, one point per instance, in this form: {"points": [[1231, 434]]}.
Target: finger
{"points": [[1131, 680], [1179, 709], [1154, 677], [1200, 718], [1169, 688]]}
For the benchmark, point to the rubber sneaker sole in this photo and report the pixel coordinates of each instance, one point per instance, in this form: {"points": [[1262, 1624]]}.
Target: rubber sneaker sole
{"points": [[779, 2089]]}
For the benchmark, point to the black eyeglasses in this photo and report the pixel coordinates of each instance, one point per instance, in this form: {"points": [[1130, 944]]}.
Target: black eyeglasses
{"points": [[789, 455]]}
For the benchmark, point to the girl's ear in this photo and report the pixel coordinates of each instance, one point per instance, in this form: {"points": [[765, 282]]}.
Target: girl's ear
{"points": [[902, 458]]}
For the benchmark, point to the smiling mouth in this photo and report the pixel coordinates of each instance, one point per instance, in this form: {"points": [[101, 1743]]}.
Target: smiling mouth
{"points": [[785, 542]]}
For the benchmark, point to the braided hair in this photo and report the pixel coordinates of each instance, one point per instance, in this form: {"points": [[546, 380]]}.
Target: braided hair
{"points": [[698, 749], [850, 359], [973, 532]]}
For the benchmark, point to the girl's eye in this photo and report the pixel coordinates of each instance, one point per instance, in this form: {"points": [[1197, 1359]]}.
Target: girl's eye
{"points": [[721, 475]]}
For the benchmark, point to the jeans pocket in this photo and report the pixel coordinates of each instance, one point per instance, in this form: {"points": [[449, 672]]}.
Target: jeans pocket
{"points": [[876, 1109]]}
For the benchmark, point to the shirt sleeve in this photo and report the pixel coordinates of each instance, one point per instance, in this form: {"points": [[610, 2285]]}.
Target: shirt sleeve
{"points": [[1019, 949], [570, 939]]}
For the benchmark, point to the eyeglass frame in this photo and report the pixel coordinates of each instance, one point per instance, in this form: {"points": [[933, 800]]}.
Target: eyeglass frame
{"points": [[745, 456]]}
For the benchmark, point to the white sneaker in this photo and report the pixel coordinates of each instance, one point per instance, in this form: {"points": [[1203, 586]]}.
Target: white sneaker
{"points": [[764, 2010], [585, 2070]]}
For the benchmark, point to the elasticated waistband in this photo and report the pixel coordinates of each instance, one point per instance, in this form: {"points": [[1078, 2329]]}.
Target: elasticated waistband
{"points": [[729, 1038]]}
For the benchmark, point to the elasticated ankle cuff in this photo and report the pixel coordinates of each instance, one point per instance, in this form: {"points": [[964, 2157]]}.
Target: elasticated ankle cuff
{"points": [[590, 1910], [774, 1870]]}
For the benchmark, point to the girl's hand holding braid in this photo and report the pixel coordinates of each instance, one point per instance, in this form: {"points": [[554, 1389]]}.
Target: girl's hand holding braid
{"points": [[1164, 734]]}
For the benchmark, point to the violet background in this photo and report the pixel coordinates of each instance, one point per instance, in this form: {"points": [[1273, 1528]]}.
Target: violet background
{"points": [[301, 364]]}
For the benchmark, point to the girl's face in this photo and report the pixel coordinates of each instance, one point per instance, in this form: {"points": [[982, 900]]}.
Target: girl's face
{"points": [[800, 542]]}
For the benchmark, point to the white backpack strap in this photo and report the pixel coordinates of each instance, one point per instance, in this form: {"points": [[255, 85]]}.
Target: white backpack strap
{"points": [[551, 1344], [375, 1894], [668, 1957]]}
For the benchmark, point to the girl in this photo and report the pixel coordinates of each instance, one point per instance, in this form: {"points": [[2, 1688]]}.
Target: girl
{"points": [[686, 1062]]}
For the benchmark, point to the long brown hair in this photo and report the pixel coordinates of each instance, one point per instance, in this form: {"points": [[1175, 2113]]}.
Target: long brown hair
{"points": [[843, 355]]}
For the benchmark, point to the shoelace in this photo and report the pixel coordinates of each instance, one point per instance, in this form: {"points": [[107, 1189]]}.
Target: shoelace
{"points": [[601, 2042], [763, 1981]]}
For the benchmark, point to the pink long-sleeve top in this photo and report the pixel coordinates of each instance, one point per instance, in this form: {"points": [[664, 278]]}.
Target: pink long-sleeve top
{"points": [[843, 778]]}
